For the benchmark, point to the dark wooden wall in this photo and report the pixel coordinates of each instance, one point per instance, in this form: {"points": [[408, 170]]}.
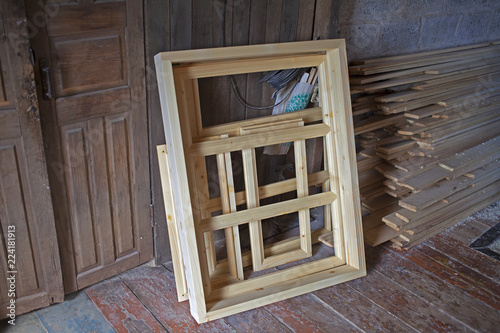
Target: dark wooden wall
{"points": [[179, 25]]}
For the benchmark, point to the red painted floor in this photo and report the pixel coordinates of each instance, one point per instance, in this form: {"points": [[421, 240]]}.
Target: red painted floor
{"points": [[442, 285]]}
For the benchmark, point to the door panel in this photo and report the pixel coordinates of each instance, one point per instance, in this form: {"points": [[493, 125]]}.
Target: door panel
{"points": [[15, 209], [78, 62], [24, 191], [11, 127], [118, 141], [85, 16], [76, 108], [96, 133]]}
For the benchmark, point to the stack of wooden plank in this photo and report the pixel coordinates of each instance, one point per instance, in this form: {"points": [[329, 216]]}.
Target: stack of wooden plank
{"points": [[440, 163], [369, 129]]}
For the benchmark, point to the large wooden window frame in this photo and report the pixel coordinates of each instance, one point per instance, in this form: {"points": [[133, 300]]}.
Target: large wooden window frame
{"points": [[216, 288]]}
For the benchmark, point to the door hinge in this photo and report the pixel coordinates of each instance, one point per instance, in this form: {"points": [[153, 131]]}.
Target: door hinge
{"points": [[3, 35], [151, 215], [46, 80], [32, 57]]}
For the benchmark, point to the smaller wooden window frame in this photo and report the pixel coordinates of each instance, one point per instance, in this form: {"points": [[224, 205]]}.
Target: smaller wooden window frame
{"points": [[183, 170]]}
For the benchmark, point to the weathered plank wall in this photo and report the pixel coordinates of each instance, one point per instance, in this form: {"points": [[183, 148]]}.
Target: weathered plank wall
{"points": [[181, 24]]}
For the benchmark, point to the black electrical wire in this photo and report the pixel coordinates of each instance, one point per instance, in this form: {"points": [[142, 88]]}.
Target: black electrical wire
{"points": [[280, 78], [238, 97]]}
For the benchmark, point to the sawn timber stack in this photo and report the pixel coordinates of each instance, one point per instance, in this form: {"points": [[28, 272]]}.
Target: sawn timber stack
{"points": [[430, 124]]}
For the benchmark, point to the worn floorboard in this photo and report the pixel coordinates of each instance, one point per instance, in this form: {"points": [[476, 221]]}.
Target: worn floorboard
{"points": [[360, 310], [306, 314], [155, 288], [122, 308], [405, 305], [476, 260], [256, 320], [462, 272], [442, 285], [468, 231], [27, 323], [453, 278], [77, 314], [445, 297]]}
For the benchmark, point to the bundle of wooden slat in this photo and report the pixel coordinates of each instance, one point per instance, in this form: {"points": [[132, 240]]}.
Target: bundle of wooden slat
{"points": [[430, 124]]}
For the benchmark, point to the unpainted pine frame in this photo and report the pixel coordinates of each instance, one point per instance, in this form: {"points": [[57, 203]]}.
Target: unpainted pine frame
{"points": [[265, 191], [259, 260], [188, 99], [228, 202], [173, 232], [182, 137]]}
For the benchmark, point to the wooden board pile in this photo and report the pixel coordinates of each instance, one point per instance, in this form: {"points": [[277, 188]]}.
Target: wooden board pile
{"points": [[430, 124]]}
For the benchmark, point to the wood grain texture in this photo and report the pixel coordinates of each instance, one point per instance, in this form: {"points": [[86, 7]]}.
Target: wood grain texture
{"points": [[407, 306], [181, 25], [289, 21], [473, 282], [359, 310], [256, 212], [252, 199], [202, 13], [198, 24], [76, 108], [152, 29], [444, 296], [180, 188], [326, 19], [305, 20], [449, 275], [256, 320], [11, 127], [228, 200], [180, 135], [25, 197], [96, 129], [466, 255], [86, 17], [307, 314], [467, 233], [252, 141], [303, 191], [172, 226], [121, 307], [254, 89], [155, 288], [412, 298], [79, 62], [240, 36]]}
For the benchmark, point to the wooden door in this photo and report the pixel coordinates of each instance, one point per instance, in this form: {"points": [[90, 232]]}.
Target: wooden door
{"points": [[29, 257], [91, 73]]}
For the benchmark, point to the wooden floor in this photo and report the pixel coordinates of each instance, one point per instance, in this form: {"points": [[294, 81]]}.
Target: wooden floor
{"points": [[441, 285]]}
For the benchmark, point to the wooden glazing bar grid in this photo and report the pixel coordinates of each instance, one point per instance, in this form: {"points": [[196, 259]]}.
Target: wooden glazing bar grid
{"points": [[259, 260], [270, 190], [209, 299], [267, 211], [252, 194], [250, 141], [232, 234]]}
